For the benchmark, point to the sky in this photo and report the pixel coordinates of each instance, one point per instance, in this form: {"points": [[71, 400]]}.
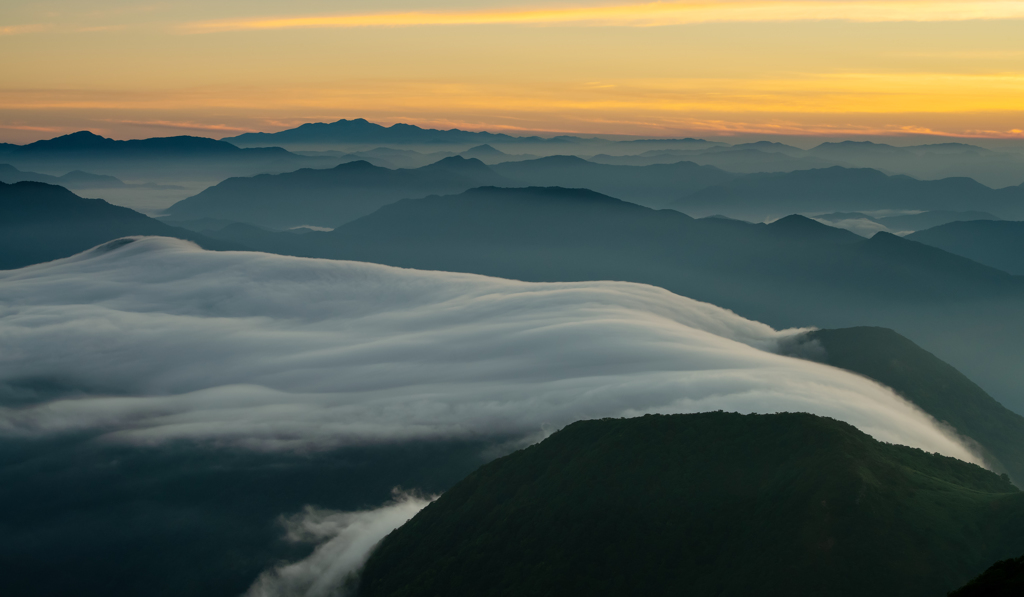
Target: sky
{"points": [[740, 68]]}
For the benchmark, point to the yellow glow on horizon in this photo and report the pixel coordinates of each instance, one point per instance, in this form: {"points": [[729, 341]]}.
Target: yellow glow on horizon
{"points": [[813, 67], [652, 14]]}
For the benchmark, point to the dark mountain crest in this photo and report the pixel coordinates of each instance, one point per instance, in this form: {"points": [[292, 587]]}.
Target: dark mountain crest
{"points": [[79, 140], [804, 228], [88, 142], [689, 504], [457, 163], [484, 150], [354, 165]]}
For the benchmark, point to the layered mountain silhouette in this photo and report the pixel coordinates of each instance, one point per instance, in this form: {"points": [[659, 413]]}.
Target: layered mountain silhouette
{"points": [[937, 160], [900, 224], [998, 169], [706, 504], [334, 196], [329, 197], [656, 185], [41, 222], [162, 158], [760, 196], [75, 179], [747, 160], [997, 244]]}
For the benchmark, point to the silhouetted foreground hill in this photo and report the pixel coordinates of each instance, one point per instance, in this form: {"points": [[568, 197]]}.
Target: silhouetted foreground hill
{"points": [[793, 272], [997, 244], [41, 222], [1002, 579], [705, 504], [936, 387]]}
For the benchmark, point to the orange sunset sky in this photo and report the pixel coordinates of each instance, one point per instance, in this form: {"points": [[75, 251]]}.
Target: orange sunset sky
{"points": [[821, 68]]}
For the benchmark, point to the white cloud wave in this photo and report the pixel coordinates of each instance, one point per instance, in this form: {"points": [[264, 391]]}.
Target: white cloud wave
{"points": [[158, 340], [345, 540]]}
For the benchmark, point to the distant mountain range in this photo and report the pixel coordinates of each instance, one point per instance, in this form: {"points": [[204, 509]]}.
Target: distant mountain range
{"points": [[360, 131], [866, 225], [163, 159], [329, 197], [332, 197], [757, 196], [939, 160], [75, 179], [705, 504]]}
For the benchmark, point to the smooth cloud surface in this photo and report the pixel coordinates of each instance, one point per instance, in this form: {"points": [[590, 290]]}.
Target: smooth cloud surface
{"points": [[158, 340]]}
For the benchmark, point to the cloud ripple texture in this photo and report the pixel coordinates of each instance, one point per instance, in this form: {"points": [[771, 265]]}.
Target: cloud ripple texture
{"points": [[149, 340]]}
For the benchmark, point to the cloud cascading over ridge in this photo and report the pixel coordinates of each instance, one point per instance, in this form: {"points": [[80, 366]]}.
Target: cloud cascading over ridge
{"points": [[155, 340], [345, 540]]}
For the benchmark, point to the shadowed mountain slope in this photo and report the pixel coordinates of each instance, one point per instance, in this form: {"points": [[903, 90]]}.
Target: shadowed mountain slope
{"points": [[936, 387], [996, 244], [705, 504], [41, 222], [656, 185]]}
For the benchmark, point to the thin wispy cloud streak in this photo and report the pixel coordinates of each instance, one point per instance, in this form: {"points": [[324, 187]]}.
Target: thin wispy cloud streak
{"points": [[156, 341], [654, 14]]}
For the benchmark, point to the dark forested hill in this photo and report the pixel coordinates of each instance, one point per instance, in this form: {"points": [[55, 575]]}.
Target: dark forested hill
{"points": [[41, 222], [706, 504]]}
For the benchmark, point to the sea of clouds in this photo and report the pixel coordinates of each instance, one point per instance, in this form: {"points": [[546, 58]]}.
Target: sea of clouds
{"points": [[151, 340]]}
